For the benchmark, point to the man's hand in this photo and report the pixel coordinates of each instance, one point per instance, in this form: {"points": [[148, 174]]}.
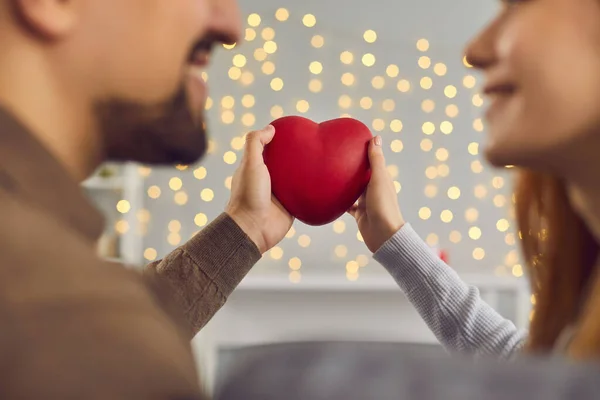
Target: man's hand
{"points": [[377, 212], [252, 206]]}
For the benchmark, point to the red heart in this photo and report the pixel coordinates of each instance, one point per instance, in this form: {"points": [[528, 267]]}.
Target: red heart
{"points": [[318, 171]]}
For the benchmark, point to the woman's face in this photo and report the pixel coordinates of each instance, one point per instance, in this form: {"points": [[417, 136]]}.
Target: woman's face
{"points": [[541, 61]]}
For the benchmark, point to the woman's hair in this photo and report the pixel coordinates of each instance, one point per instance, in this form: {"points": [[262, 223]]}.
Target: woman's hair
{"points": [[560, 254]]}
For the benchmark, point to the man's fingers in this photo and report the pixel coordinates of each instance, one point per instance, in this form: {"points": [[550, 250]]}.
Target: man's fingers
{"points": [[256, 142]]}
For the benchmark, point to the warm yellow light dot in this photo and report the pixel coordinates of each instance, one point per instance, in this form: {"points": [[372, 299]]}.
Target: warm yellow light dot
{"points": [[450, 91], [181, 167], [144, 171], [174, 239], [393, 170], [282, 14], [143, 215], [295, 264], [239, 60], [396, 125], [250, 35], [201, 219], [392, 70], [346, 57], [276, 253], [432, 239], [295, 277], [175, 183], [425, 213], [428, 128], [443, 170], [181, 198], [345, 101], [396, 146], [228, 182], [268, 33], [359, 237], [370, 36], [426, 83], [230, 157], [502, 225], [309, 20], [478, 254], [428, 105], [498, 182], [426, 145], [466, 62], [480, 191], [478, 125], [229, 46], [154, 192], [254, 20], [441, 154], [477, 167], [277, 84], [499, 200], [341, 251], [469, 81], [317, 41], [455, 237], [388, 105], [268, 68], [473, 148], [207, 195], [339, 226], [517, 270], [477, 100], [150, 254], [248, 119], [348, 79], [378, 124], [122, 227], [304, 241], [237, 143], [440, 69], [451, 110], [366, 103], [290, 234], [260, 54], [315, 85], [315, 67], [302, 106], [352, 267], [431, 191], [227, 102], [174, 226], [423, 45], [276, 112], [248, 100], [454, 193], [352, 277], [397, 186], [446, 216], [446, 127], [247, 78], [227, 117], [362, 260], [475, 233], [270, 47], [212, 146], [424, 62], [403, 85], [471, 215], [368, 60]]}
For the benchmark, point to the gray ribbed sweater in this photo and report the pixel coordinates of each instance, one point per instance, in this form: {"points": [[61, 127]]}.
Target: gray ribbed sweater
{"points": [[453, 310]]}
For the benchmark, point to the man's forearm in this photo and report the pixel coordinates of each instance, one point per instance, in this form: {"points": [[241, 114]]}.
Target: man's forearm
{"points": [[203, 272]]}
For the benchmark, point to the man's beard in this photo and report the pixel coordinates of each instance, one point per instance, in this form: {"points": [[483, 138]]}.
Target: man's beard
{"points": [[167, 133]]}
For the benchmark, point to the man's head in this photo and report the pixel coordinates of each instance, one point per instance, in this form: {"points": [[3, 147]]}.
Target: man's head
{"points": [[137, 62]]}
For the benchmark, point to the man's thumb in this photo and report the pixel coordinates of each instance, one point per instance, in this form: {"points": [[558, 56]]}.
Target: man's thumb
{"points": [[376, 157]]}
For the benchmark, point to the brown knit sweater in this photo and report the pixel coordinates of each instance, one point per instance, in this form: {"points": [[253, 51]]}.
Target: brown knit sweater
{"points": [[75, 327]]}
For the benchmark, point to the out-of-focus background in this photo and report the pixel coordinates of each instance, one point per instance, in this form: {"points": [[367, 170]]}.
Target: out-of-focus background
{"points": [[396, 65]]}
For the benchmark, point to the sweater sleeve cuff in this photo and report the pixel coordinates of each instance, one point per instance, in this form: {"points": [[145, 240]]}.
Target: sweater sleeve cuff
{"points": [[224, 253]]}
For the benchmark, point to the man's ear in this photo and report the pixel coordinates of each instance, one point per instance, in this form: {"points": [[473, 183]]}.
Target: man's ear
{"points": [[50, 19]]}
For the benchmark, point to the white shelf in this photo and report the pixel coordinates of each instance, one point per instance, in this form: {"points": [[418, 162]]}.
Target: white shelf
{"points": [[99, 183], [365, 283]]}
